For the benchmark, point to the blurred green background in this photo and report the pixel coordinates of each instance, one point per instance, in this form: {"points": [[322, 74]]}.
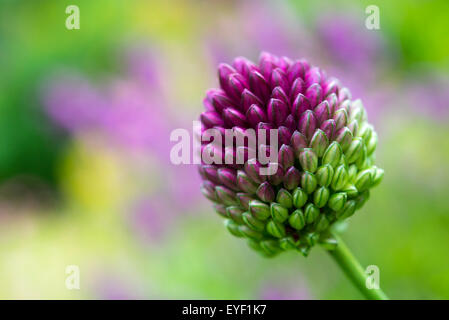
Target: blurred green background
{"points": [[85, 117]]}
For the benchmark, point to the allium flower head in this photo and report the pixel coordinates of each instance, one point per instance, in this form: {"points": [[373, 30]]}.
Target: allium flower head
{"points": [[325, 153]]}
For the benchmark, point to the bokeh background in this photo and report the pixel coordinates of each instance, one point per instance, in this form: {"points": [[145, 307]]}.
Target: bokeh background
{"points": [[85, 118]]}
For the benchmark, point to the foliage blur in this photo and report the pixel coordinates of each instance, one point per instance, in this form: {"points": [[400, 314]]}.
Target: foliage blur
{"points": [[85, 117]]}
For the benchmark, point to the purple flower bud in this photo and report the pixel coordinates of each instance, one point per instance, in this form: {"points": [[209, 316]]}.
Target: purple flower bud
{"points": [[208, 190], [279, 79], [333, 101], [259, 85], [344, 137], [234, 117], [313, 76], [226, 196], [248, 99], [300, 105], [244, 66], [292, 178], [224, 71], [278, 177], [220, 209], [297, 70], [236, 85], [228, 177], [284, 135], [255, 115], [314, 94], [307, 124], [344, 94], [277, 111], [322, 112], [267, 63], [331, 86], [211, 119], [286, 156], [328, 128], [252, 169], [279, 93], [298, 87], [298, 142], [219, 100], [211, 173], [290, 123], [265, 192]]}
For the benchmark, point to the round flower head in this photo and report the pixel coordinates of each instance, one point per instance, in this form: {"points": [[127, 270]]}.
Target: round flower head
{"points": [[319, 146]]}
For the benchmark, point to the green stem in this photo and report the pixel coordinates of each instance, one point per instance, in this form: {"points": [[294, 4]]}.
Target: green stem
{"points": [[354, 270]]}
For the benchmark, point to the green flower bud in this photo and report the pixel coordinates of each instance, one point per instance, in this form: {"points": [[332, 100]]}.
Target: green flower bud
{"points": [[356, 111], [322, 223], [287, 243], [252, 222], [311, 238], [297, 220], [308, 182], [350, 190], [372, 144], [354, 127], [299, 198], [378, 176], [304, 249], [284, 198], [361, 162], [250, 233], [232, 227], [235, 213], [254, 244], [364, 180], [321, 196], [259, 209], [278, 212], [319, 142], [347, 211], [276, 229], [337, 201], [365, 131], [361, 199], [270, 247], [340, 178], [311, 213], [308, 160], [352, 172], [332, 154], [355, 150], [324, 175]]}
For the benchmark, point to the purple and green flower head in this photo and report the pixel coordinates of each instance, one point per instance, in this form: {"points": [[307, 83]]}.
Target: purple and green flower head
{"points": [[318, 142]]}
